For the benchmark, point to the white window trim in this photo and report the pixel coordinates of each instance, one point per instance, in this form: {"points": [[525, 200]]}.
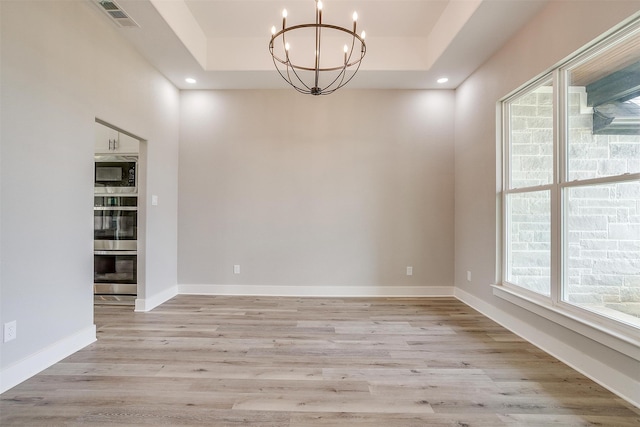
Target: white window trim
{"points": [[612, 333], [571, 317]]}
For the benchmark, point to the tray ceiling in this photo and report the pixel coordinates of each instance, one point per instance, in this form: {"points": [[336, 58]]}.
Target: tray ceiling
{"points": [[223, 44]]}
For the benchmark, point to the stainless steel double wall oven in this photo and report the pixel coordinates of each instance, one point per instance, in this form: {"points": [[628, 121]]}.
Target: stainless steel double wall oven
{"points": [[115, 215]]}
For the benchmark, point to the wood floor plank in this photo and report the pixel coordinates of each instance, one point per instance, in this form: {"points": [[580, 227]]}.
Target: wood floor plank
{"points": [[394, 420], [280, 362]]}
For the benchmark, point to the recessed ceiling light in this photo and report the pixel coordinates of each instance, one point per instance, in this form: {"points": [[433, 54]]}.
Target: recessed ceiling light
{"points": [[443, 80], [190, 80]]}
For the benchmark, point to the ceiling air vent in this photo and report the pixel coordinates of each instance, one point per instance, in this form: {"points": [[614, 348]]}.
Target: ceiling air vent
{"points": [[116, 13]]}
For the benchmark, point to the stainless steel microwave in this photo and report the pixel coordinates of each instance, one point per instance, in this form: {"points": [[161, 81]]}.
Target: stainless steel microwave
{"points": [[116, 174]]}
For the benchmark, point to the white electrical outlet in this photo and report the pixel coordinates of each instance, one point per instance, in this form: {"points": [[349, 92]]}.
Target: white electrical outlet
{"points": [[468, 276], [10, 331], [236, 269], [409, 270]]}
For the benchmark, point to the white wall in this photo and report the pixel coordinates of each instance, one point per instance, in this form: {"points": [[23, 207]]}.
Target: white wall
{"points": [[64, 64], [559, 30], [316, 195]]}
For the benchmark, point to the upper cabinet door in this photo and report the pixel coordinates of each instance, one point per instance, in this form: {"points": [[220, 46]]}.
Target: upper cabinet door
{"points": [[110, 141], [127, 144], [106, 139]]}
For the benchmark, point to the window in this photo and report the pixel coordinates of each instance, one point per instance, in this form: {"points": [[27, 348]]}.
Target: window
{"points": [[571, 185], [530, 178]]}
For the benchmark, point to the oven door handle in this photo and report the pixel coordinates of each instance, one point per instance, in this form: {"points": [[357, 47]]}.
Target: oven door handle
{"points": [[115, 252]]}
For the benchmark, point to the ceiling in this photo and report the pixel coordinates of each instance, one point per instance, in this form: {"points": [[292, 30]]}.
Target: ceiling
{"points": [[223, 44]]}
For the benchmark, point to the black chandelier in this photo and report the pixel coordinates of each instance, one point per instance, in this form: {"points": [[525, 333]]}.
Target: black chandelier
{"points": [[315, 77]]}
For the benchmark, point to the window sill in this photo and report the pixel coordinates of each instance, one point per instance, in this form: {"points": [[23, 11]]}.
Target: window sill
{"points": [[626, 344]]}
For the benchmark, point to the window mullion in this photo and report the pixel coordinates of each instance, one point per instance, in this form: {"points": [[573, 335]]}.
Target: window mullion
{"points": [[558, 234], [602, 180], [547, 187], [506, 173], [504, 223]]}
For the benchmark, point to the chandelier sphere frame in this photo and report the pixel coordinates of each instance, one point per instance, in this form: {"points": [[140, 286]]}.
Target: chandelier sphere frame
{"points": [[292, 72]]}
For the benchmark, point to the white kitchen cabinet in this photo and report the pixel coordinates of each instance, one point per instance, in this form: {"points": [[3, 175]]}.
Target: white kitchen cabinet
{"points": [[110, 141], [127, 144]]}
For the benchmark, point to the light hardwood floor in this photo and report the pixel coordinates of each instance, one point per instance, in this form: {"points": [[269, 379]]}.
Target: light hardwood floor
{"points": [[265, 361]]}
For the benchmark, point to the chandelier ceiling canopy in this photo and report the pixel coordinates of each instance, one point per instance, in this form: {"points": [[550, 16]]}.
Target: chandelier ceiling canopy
{"points": [[317, 58]]}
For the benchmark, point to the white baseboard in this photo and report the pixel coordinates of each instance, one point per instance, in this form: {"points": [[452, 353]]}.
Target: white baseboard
{"points": [[318, 291], [20, 371], [148, 304], [613, 380]]}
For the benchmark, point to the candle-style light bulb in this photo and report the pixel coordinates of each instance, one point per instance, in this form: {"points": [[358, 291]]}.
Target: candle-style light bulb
{"points": [[286, 47], [273, 29], [355, 16], [319, 5], [284, 13], [363, 35]]}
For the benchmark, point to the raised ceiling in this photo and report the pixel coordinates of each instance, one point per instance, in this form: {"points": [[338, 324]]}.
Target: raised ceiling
{"points": [[223, 44]]}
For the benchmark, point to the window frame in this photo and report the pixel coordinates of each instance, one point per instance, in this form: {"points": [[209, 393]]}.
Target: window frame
{"points": [[604, 329], [507, 190]]}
